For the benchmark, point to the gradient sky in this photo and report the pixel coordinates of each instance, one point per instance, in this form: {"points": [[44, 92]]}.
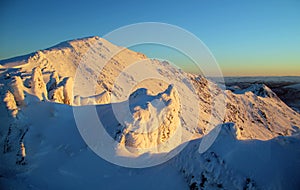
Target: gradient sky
{"points": [[247, 37]]}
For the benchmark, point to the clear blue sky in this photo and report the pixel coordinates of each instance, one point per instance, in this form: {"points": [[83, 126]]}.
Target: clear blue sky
{"points": [[247, 37]]}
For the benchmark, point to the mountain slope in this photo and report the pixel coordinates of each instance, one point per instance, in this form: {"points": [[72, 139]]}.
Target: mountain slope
{"points": [[149, 109], [54, 161], [49, 75]]}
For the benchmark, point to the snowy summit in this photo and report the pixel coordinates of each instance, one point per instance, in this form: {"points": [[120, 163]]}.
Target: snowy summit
{"points": [[250, 137]]}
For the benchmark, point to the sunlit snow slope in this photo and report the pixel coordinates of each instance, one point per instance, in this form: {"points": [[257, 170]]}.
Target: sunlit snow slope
{"points": [[257, 144]]}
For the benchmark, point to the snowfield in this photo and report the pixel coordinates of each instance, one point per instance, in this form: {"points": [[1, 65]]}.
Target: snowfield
{"points": [[187, 131]]}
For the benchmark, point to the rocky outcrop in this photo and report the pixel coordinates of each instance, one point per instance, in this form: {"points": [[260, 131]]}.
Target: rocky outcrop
{"points": [[256, 111], [38, 86], [154, 124], [53, 81], [102, 98], [17, 89], [11, 104], [57, 95]]}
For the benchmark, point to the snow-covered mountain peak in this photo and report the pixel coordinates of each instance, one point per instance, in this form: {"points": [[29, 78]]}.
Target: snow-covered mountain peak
{"points": [[81, 44], [261, 90], [40, 92], [258, 89], [50, 75]]}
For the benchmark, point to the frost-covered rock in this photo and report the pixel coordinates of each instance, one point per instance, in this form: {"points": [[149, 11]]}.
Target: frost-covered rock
{"points": [[256, 111], [53, 81], [154, 124], [68, 91], [57, 95], [62, 92], [17, 88], [11, 104], [38, 86]]}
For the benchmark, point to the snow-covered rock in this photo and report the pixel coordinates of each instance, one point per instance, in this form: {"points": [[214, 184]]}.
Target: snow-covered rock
{"points": [[153, 122], [53, 81], [17, 88], [11, 104], [57, 95], [38, 86], [258, 89]]}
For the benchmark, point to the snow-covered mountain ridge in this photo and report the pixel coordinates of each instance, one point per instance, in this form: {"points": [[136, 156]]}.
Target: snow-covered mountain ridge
{"points": [[39, 91]]}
